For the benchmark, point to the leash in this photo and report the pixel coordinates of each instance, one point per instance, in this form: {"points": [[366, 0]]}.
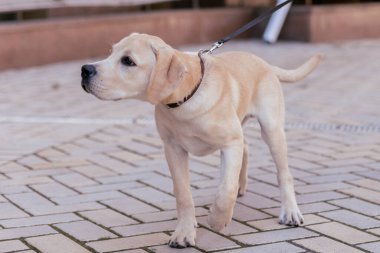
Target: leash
{"points": [[220, 43], [244, 28]]}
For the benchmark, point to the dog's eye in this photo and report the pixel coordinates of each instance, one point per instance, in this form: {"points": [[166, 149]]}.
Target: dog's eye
{"points": [[127, 61]]}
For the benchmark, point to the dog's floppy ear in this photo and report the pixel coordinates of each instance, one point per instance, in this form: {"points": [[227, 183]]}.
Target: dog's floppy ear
{"points": [[167, 74]]}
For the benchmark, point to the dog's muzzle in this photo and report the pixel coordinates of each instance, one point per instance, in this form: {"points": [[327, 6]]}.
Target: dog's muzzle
{"points": [[88, 71]]}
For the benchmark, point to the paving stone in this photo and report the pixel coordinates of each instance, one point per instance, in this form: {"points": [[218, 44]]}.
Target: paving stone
{"points": [[271, 178], [367, 183], [15, 233], [25, 181], [370, 174], [110, 163], [146, 228], [126, 156], [129, 206], [13, 189], [374, 231], [308, 156], [374, 166], [12, 246], [150, 195], [353, 219], [59, 164], [56, 243], [370, 195], [39, 220], [8, 211], [358, 205], [343, 162], [164, 183], [12, 167], [141, 148], [319, 196], [2, 199], [51, 152], [340, 170], [373, 247], [321, 187], [74, 179], [257, 201], [129, 242], [264, 189], [210, 241], [94, 171], [165, 215], [206, 192], [85, 231], [108, 218], [109, 187], [274, 236], [208, 183], [36, 173], [330, 178], [126, 178], [279, 247], [302, 164], [29, 200], [31, 159], [326, 245], [51, 190], [44, 210], [88, 197], [306, 208], [343, 233]]}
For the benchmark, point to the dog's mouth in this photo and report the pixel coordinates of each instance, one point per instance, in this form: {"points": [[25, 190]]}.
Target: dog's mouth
{"points": [[83, 83]]}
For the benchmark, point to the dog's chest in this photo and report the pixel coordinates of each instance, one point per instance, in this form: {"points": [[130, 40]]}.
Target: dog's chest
{"points": [[196, 145], [197, 138]]}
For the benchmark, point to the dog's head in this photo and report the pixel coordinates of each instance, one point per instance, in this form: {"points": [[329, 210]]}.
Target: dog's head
{"points": [[140, 66]]}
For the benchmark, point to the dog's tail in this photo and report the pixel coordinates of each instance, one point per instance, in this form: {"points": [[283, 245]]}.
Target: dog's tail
{"points": [[299, 73]]}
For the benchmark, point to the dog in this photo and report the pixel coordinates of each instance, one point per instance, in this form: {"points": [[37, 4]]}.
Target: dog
{"points": [[200, 103]]}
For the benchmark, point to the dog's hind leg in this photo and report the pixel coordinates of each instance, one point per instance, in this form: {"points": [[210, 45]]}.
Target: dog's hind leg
{"points": [[271, 119], [243, 177]]}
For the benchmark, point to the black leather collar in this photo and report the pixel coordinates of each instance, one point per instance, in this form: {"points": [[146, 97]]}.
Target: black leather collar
{"points": [[177, 104]]}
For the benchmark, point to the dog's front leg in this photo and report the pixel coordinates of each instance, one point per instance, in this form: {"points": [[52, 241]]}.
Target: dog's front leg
{"points": [[184, 234], [231, 163]]}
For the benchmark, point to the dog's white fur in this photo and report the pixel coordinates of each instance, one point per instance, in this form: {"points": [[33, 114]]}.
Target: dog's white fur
{"points": [[234, 85]]}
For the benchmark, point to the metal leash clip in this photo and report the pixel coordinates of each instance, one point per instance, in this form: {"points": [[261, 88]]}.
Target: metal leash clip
{"points": [[216, 45]]}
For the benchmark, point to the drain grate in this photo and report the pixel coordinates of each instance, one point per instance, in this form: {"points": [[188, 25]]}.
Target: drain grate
{"points": [[150, 121], [327, 127], [334, 127]]}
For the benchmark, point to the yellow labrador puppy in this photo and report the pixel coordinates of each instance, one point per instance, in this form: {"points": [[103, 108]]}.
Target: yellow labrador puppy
{"points": [[201, 102]]}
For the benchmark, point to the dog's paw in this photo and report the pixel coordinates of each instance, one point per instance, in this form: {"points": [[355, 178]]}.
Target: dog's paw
{"points": [[219, 218], [291, 216], [184, 235], [242, 189]]}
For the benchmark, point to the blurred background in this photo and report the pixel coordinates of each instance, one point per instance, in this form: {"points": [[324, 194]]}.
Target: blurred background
{"points": [[37, 32]]}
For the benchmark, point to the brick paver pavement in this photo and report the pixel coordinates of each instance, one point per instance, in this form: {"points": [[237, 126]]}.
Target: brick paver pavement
{"points": [[82, 175]]}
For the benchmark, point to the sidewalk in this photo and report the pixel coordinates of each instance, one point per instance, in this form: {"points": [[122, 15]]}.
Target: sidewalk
{"points": [[82, 175]]}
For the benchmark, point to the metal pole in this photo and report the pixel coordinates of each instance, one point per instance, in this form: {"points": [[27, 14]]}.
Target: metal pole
{"points": [[275, 24]]}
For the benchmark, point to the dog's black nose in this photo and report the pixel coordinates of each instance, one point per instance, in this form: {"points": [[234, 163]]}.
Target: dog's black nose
{"points": [[88, 71]]}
